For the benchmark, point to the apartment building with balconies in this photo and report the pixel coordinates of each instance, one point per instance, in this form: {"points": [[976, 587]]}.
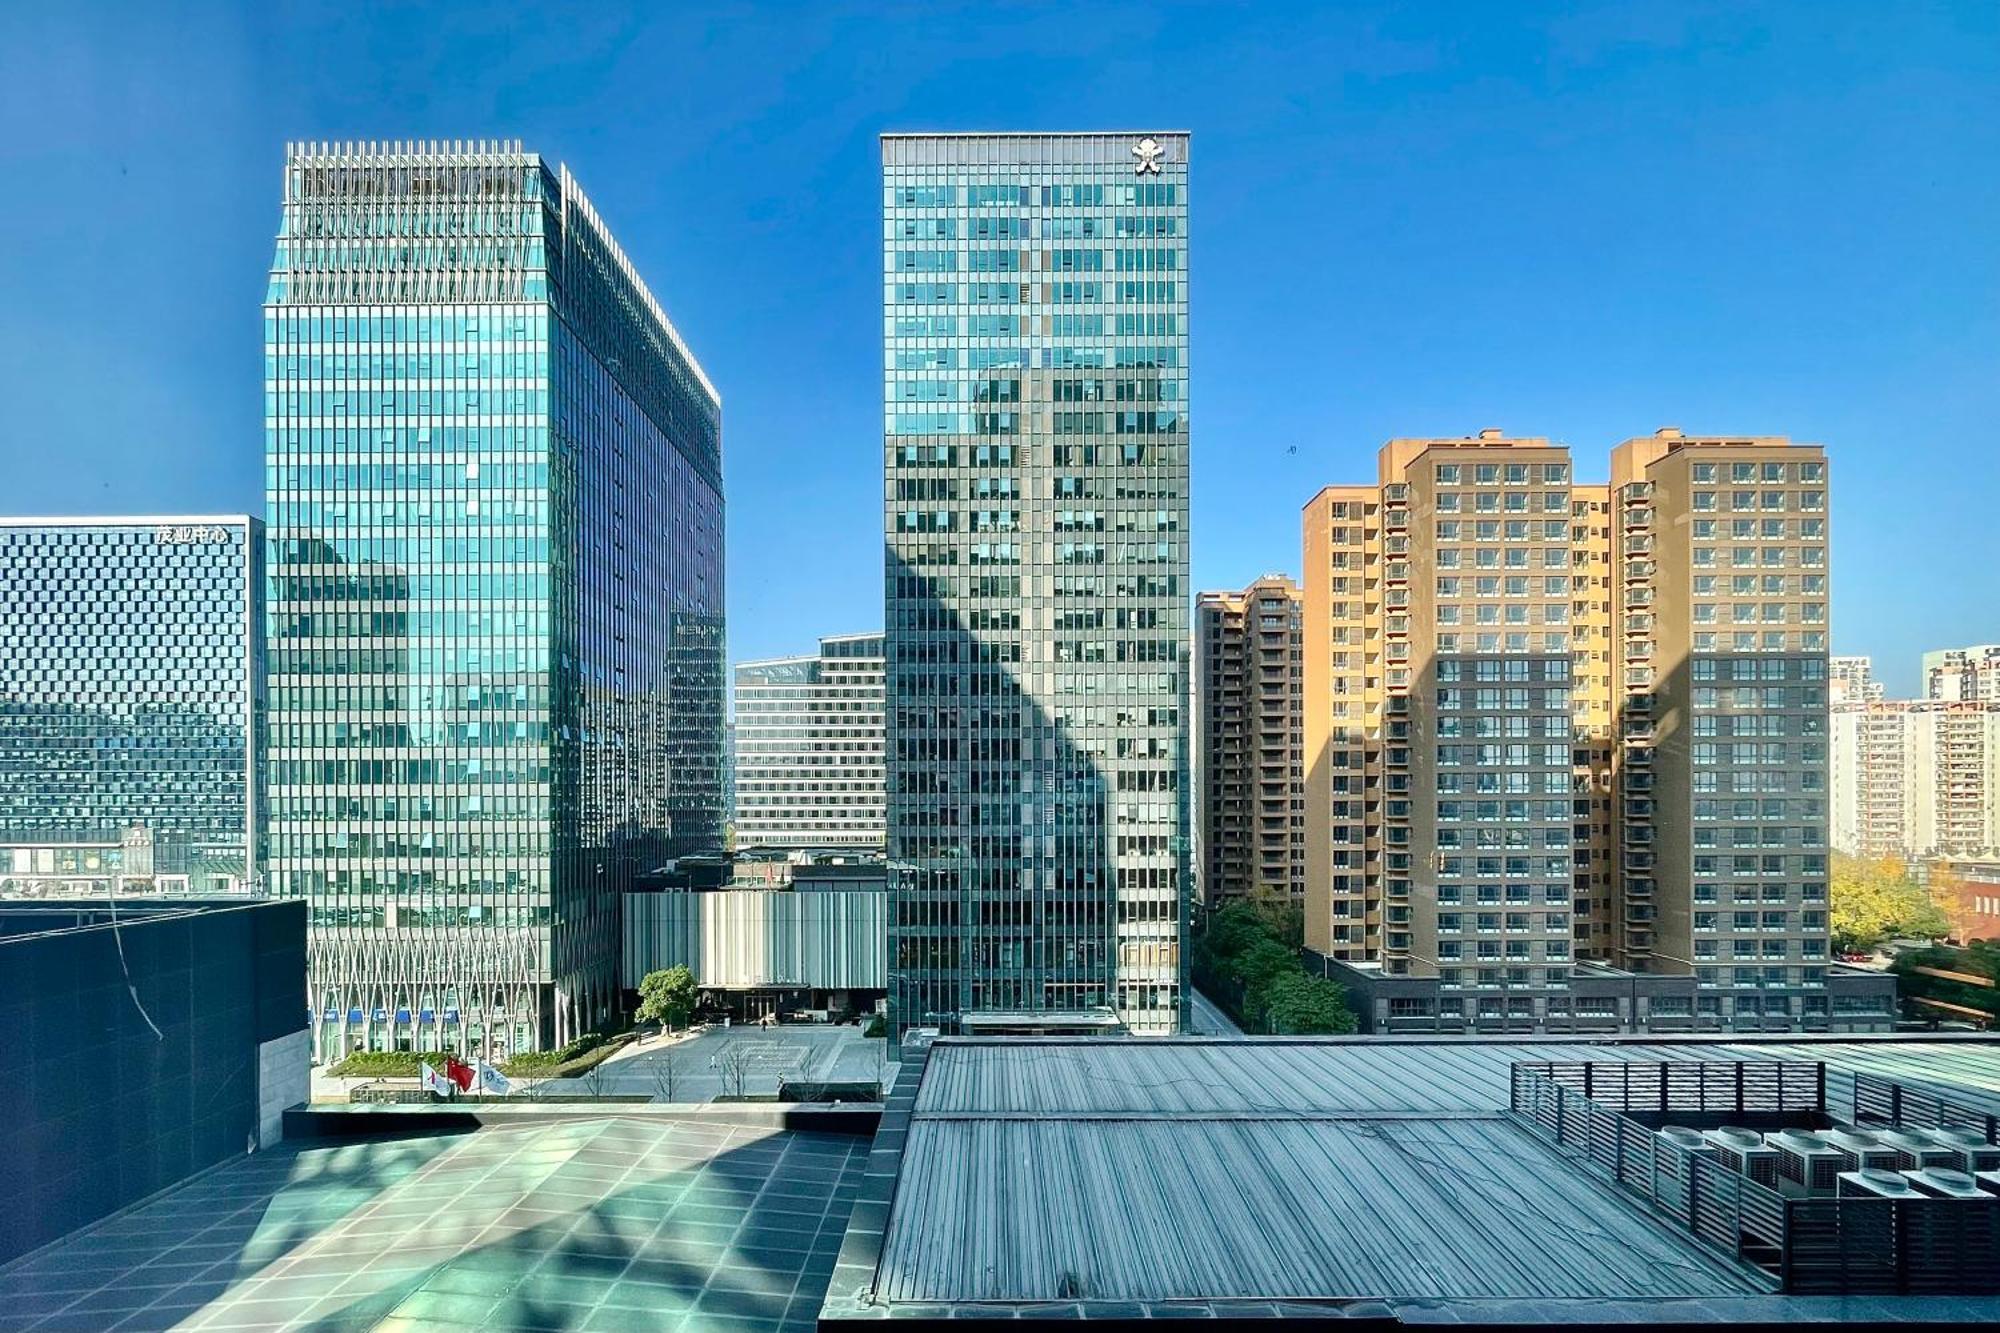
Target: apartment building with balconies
{"points": [[1566, 744], [1250, 741]]}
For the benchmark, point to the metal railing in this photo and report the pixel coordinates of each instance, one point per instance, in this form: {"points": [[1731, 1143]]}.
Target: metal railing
{"points": [[1609, 1114]]}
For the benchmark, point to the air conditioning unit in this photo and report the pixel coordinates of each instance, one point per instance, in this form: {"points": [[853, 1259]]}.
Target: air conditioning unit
{"points": [[1687, 1140], [1745, 1152], [1915, 1149], [1862, 1149], [1971, 1152], [1875, 1183], [1807, 1159], [1988, 1181], [1944, 1183]]}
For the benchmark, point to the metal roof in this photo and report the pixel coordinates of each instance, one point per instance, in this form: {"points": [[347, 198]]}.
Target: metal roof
{"points": [[1304, 1077], [1058, 1178], [1177, 1209]]}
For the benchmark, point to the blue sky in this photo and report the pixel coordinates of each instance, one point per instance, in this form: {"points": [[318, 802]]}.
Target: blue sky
{"points": [[1583, 221]]}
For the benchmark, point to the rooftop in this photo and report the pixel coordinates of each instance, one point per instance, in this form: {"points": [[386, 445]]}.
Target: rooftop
{"points": [[604, 1223], [1079, 1178]]}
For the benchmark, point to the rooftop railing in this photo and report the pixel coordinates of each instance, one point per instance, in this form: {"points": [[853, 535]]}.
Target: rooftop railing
{"points": [[1805, 1242]]}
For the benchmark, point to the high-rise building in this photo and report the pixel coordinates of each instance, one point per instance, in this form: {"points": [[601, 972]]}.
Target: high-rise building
{"points": [[1917, 778], [1721, 598], [1036, 515], [1851, 680], [1249, 741], [131, 705], [809, 748], [1567, 743], [1963, 673], [495, 600]]}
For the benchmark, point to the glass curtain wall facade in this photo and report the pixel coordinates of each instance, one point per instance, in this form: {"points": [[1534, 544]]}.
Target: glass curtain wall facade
{"points": [[809, 748], [1036, 514], [131, 702], [495, 600]]}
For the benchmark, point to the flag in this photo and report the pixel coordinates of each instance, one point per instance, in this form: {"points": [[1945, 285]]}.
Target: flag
{"points": [[492, 1080], [458, 1072], [435, 1082]]}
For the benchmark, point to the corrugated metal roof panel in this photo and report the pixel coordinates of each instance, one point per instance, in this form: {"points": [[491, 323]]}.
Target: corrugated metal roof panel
{"points": [[1051, 1209], [1293, 1078]]}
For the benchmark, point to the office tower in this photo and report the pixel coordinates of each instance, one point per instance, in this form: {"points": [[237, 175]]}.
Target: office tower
{"points": [[1963, 673], [495, 507], [1721, 596], [1249, 700], [1917, 778], [1036, 502], [131, 705], [1566, 744], [809, 748], [1851, 680]]}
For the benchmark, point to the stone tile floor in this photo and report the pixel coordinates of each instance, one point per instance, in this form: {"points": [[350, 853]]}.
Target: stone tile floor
{"points": [[603, 1224]]}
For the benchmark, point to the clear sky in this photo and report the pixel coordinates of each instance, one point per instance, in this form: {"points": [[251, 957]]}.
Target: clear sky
{"points": [[1580, 221]]}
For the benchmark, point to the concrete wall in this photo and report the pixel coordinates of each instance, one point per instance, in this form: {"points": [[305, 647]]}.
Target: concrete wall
{"points": [[131, 1058]]}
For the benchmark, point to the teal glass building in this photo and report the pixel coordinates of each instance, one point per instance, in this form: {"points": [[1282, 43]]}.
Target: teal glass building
{"points": [[494, 487], [1035, 452], [131, 705]]}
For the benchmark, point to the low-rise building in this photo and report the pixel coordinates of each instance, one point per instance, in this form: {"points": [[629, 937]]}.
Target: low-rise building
{"points": [[813, 941]]}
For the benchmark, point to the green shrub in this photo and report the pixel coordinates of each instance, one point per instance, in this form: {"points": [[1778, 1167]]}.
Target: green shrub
{"points": [[384, 1064], [875, 1027]]}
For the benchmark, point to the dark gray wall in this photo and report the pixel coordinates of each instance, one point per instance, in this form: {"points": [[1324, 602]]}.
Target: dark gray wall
{"points": [[99, 1111]]}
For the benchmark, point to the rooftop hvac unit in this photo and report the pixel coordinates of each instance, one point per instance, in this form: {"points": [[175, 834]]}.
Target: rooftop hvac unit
{"points": [[1915, 1150], [1687, 1140], [1945, 1183], [1863, 1148], [1675, 1149], [1875, 1183], [1988, 1181], [1807, 1158], [1970, 1151], [1745, 1152]]}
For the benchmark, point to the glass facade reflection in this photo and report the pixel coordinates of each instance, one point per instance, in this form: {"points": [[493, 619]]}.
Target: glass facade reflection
{"points": [[496, 592], [130, 701], [1036, 516]]}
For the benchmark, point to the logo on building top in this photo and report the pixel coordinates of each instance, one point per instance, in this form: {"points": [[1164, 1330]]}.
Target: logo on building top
{"points": [[168, 535], [1148, 151]]}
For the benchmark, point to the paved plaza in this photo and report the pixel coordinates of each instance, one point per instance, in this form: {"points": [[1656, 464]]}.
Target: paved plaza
{"points": [[705, 1064]]}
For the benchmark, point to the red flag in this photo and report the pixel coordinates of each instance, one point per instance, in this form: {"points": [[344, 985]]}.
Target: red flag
{"points": [[459, 1072]]}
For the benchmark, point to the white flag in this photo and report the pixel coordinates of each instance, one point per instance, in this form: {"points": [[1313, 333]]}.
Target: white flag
{"points": [[433, 1081], [491, 1079]]}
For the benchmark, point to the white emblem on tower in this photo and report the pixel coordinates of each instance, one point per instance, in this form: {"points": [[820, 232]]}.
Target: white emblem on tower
{"points": [[1148, 152]]}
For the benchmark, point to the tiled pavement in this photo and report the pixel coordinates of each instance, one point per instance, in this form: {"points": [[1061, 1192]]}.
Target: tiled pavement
{"points": [[605, 1224]]}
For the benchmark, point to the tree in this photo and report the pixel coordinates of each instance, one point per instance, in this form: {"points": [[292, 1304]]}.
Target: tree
{"points": [[667, 996], [664, 1072], [1875, 900], [1300, 1003]]}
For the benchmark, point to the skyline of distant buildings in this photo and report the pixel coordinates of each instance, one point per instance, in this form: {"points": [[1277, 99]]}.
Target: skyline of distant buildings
{"points": [[1920, 778], [1508, 735]]}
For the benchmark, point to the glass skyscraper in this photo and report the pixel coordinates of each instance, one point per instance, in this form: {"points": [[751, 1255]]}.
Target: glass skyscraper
{"points": [[131, 696], [1036, 525], [494, 491]]}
